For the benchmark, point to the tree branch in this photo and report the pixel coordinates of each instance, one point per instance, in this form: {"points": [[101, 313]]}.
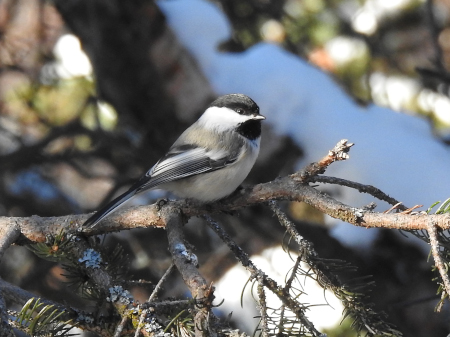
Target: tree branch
{"points": [[186, 263], [7, 236], [434, 243], [338, 153], [369, 189], [292, 187], [297, 309], [262, 306]]}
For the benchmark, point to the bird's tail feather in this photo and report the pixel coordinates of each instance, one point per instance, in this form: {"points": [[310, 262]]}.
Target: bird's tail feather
{"points": [[109, 208]]}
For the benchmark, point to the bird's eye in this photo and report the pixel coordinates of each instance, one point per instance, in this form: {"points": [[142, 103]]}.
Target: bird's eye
{"points": [[240, 111]]}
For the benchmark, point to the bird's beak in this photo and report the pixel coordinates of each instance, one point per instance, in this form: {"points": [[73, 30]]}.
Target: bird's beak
{"points": [[258, 117]]}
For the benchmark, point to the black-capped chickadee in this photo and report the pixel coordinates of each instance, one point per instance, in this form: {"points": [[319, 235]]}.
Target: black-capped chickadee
{"points": [[209, 160]]}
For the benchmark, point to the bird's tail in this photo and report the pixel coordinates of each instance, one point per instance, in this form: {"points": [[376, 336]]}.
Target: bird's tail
{"points": [[109, 208]]}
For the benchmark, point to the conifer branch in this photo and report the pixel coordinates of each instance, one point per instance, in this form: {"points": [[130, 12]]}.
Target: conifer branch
{"points": [[355, 302], [297, 308]]}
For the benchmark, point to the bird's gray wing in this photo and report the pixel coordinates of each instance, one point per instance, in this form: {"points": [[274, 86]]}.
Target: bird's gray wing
{"points": [[181, 161], [184, 161]]}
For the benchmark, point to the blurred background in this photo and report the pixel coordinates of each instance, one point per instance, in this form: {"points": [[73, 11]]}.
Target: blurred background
{"points": [[93, 92]]}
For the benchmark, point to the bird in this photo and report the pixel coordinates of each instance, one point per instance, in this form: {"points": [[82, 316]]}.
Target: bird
{"points": [[208, 161]]}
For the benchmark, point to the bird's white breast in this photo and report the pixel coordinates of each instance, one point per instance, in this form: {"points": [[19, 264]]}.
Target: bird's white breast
{"points": [[217, 184]]}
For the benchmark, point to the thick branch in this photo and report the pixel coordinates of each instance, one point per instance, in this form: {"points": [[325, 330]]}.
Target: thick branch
{"points": [[5, 328], [19, 296], [35, 228], [186, 263], [7, 236], [293, 187]]}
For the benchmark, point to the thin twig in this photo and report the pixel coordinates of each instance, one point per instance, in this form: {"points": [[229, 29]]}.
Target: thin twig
{"points": [[306, 248], [160, 283], [121, 326], [262, 307], [152, 297], [160, 306], [288, 285], [297, 309], [410, 210], [338, 153], [434, 242], [141, 322], [369, 189], [281, 321], [356, 304], [396, 206], [441, 302], [282, 218]]}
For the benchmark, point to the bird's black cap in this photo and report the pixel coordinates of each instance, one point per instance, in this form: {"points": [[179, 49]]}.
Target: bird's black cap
{"points": [[240, 103]]}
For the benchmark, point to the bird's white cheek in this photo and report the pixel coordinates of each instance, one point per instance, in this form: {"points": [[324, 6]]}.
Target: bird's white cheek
{"points": [[221, 119]]}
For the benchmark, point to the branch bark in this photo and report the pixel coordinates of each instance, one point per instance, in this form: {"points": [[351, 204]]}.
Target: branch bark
{"points": [[35, 228], [434, 243], [293, 187], [186, 263]]}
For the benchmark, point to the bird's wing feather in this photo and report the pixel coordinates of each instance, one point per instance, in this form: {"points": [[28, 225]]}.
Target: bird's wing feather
{"points": [[180, 162], [185, 161]]}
